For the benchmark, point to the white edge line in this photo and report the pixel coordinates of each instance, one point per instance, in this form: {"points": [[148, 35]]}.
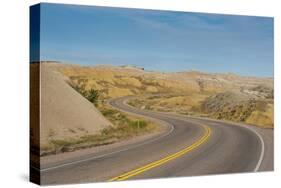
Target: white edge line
{"points": [[152, 140], [256, 169], [262, 150]]}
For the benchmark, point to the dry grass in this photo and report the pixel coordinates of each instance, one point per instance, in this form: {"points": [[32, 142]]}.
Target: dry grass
{"points": [[170, 102], [125, 127], [263, 118]]}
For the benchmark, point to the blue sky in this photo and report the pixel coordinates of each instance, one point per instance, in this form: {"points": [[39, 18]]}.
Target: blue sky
{"points": [[157, 40]]}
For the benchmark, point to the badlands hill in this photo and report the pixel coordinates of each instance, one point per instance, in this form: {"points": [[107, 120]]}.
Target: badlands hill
{"points": [[220, 96], [116, 81], [241, 107], [65, 114]]}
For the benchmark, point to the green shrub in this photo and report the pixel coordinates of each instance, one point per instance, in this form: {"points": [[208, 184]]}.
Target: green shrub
{"points": [[93, 96], [108, 112]]}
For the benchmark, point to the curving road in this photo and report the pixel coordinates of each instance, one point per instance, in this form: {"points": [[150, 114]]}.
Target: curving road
{"points": [[185, 147]]}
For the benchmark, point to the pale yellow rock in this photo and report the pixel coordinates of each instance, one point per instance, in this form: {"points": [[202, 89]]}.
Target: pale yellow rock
{"points": [[129, 81], [151, 89], [118, 92]]}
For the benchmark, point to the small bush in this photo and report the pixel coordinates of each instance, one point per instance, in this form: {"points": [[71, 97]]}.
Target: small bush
{"points": [[108, 112], [61, 143], [93, 96]]}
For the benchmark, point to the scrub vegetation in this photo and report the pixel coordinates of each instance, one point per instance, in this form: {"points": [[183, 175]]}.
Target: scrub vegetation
{"points": [[124, 127]]}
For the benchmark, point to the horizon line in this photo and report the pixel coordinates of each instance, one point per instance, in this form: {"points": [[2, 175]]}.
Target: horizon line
{"points": [[149, 70]]}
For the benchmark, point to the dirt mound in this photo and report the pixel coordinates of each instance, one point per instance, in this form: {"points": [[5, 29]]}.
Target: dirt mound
{"points": [[222, 100], [240, 107], [65, 114]]}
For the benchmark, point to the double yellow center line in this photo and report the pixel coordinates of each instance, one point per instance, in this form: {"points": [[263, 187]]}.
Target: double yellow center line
{"points": [[165, 159]]}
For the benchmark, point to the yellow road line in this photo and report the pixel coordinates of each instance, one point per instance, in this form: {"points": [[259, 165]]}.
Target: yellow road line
{"points": [[165, 159]]}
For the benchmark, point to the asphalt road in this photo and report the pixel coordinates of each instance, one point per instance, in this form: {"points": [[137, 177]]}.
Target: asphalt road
{"points": [[187, 147]]}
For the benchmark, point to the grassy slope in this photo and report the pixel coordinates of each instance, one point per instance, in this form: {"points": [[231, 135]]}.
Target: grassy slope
{"points": [[125, 127]]}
